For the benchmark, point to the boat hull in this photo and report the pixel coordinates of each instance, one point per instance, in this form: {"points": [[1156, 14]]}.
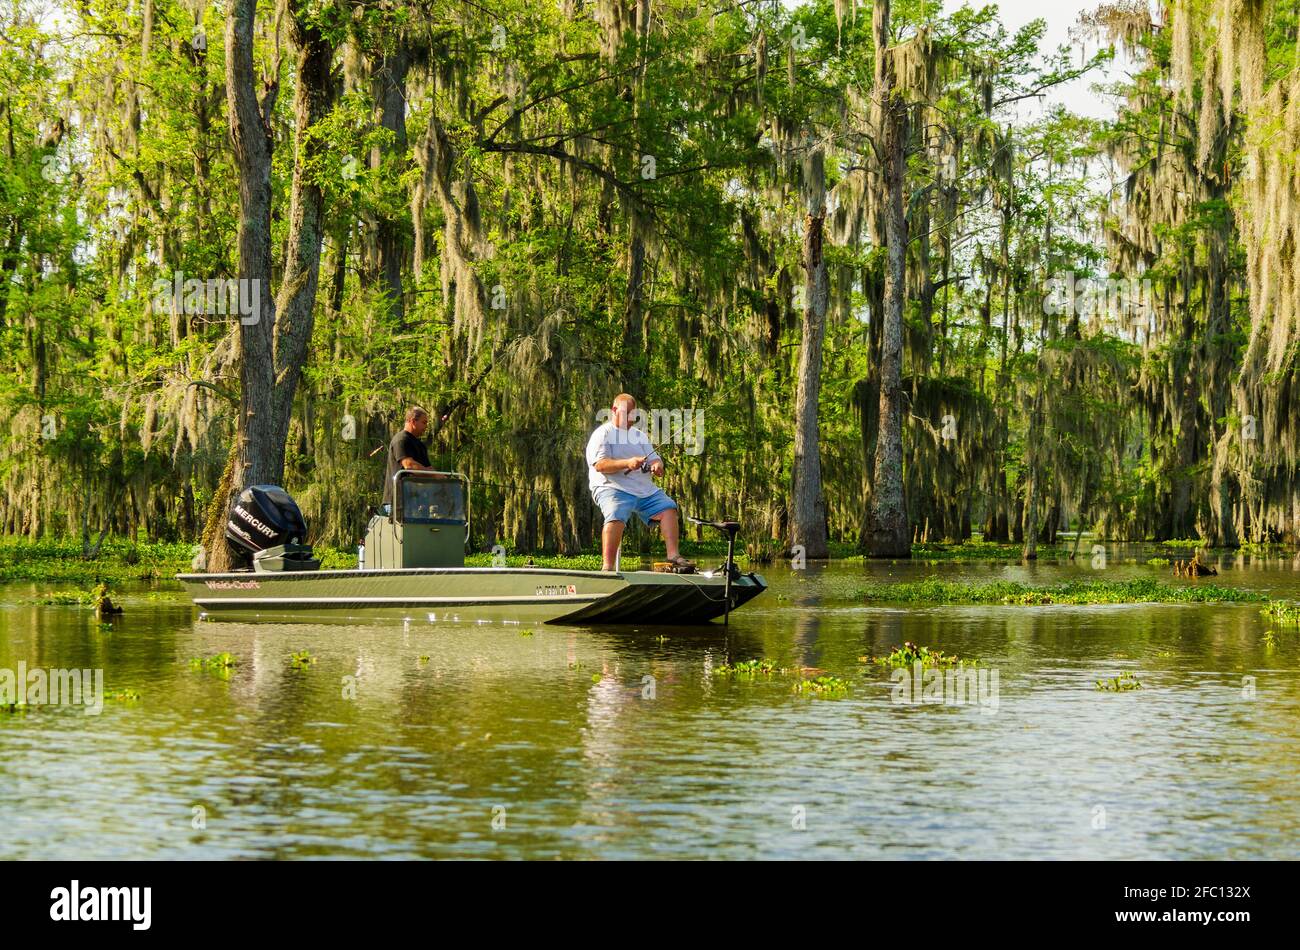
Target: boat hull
{"points": [[469, 595]]}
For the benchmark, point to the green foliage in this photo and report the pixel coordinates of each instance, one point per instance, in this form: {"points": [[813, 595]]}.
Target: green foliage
{"points": [[61, 559], [1265, 547], [976, 549], [1119, 684], [749, 669], [570, 210], [1136, 591], [1283, 613], [762, 551], [219, 663], [78, 598], [825, 686], [909, 653]]}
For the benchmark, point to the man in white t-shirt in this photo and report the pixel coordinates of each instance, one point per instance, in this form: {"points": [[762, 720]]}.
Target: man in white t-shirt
{"points": [[621, 467]]}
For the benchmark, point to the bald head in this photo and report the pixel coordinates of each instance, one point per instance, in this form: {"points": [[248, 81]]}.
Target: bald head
{"points": [[623, 408]]}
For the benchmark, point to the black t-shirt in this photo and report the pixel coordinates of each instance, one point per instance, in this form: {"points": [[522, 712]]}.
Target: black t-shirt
{"points": [[403, 446]]}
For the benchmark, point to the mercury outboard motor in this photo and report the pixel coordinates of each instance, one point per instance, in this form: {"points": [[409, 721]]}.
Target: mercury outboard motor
{"points": [[266, 528]]}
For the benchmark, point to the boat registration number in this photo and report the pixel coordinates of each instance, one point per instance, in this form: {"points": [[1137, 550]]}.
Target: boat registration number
{"points": [[556, 590]]}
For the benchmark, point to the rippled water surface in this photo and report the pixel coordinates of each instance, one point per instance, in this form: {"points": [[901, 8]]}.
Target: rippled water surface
{"points": [[418, 740]]}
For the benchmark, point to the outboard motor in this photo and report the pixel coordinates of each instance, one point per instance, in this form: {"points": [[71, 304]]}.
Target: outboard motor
{"points": [[266, 528]]}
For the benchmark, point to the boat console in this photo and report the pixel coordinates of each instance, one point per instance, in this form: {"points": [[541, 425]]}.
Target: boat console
{"points": [[426, 526]]}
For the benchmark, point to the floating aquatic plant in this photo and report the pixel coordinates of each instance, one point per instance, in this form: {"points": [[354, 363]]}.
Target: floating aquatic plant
{"points": [[1029, 598], [1141, 590], [825, 686], [67, 598], [977, 549], [1264, 547], [1119, 684], [909, 653], [749, 668], [218, 663], [301, 660], [1184, 543], [1285, 613], [65, 559]]}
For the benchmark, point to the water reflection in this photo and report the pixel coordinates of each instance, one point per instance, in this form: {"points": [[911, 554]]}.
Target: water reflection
{"points": [[424, 740]]}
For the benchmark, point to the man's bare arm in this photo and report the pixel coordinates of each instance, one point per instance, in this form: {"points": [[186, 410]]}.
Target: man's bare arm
{"points": [[410, 463], [614, 466]]}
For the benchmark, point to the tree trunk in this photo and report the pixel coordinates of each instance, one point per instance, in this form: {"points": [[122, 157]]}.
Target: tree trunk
{"points": [[390, 93], [274, 339], [808, 505], [1030, 551], [888, 524]]}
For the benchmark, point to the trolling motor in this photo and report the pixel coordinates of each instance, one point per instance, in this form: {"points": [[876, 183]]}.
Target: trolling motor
{"points": [[732, 573]]}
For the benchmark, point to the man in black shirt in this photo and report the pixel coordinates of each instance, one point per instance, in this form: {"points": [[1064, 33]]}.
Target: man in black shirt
{"points": [[407, 450]]}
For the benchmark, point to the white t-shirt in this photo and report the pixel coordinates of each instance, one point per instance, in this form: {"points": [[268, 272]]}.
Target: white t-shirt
{"points": [[611, 442]]}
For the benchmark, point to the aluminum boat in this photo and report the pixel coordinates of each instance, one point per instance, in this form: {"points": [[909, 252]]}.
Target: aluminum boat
{"points": [[412, 567]]}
